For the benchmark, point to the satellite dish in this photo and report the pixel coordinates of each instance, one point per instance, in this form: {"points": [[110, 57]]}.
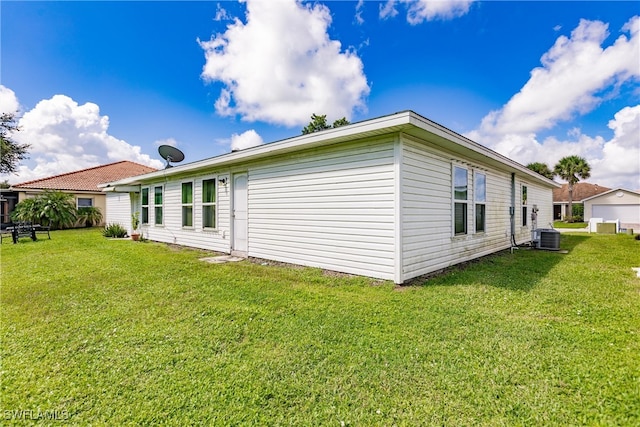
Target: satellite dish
{"points": [[170, 154]]}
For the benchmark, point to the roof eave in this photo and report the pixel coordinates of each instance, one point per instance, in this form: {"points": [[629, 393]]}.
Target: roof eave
{"points": [[405, 121]]}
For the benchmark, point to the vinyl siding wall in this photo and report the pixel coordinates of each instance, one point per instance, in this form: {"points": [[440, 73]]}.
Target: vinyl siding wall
{"points": [[379, 207], [331, 208], [428, 240], [172, 231], [118, 210]]}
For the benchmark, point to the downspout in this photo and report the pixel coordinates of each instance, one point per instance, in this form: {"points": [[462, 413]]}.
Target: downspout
{"points": [[512, 212]]}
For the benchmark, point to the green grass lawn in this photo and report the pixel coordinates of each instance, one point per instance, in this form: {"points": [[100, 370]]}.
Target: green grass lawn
{"points": [[114, 332], [563, 224]]}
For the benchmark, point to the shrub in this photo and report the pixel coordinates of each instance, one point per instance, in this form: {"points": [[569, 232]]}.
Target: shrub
{"points": [[114, 230], [578, 211], [89, 216], [53, 208]]}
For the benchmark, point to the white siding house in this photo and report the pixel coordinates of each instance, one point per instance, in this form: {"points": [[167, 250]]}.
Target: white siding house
{"points": [[394, 198], [618, 204]]}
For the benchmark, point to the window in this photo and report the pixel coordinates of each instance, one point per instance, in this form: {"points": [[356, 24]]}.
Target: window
{"points": [[460, 184], [209, 203], [524, 205], [157, 203], [187, 204], [145, 205], [480, 195], [84, 202]]}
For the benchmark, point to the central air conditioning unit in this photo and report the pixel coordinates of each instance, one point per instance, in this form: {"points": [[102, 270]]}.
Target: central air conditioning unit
{"points": [[546, 238]]}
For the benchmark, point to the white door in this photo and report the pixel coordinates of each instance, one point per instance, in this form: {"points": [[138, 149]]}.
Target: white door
{"points": [[239, 214]]}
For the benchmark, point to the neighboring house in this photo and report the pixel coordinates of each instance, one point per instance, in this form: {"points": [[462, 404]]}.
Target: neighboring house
{"points": [[83, 184], [581, 191], [394, 197], [620, 204], [8, 201]]}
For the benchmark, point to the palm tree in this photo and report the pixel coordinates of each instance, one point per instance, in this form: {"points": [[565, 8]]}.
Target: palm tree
{"points": [[51, 208], [572, 169], [541, 168], [89, 216], [27, 210], [59, 209]]}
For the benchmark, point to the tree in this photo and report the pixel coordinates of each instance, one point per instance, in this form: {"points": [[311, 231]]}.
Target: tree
{"points": [[53, 208], [316, 124], [89, 216], [341, 122], [319, 123], [541, 168], [11, 152], [572, 169], [28, 210], [59, 209]]}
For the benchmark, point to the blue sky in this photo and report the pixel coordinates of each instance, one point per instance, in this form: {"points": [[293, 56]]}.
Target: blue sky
{"points": [[97, 82]]}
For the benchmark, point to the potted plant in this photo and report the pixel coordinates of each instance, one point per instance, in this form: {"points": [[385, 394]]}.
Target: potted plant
{"points": [[135, 223]]}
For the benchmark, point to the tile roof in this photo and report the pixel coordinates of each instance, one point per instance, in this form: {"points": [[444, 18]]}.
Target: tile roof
{"points": [[87, 179], [581, 190]]}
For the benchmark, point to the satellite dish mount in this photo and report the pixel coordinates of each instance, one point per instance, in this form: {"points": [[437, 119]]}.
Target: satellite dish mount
{"points": [[170, 154]]}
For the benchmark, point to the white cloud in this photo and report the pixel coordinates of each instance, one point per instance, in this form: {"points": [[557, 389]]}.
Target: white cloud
{"points": [[280, 66], [419, 11], [620, 164], [65, 136], [575, 71], [8, 100], [168, 141], [246, 139], [221, 14], [577, 74], [359, 8]]}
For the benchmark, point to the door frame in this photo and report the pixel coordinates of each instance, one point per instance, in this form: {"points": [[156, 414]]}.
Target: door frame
{"points": [[234, 225]]}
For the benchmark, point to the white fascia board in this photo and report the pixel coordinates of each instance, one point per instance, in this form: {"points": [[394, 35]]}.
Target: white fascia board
{"points": [[329, 136], [635, 193], [473, 146], [120, 188]]}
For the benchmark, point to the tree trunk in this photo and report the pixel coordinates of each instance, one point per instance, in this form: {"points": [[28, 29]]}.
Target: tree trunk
{"points": [[570, 213]]}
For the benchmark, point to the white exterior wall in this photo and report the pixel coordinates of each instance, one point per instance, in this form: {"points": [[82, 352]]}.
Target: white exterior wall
{"points": [[379, 207], [332, 207], [118, 210], [428, 240], [617, 197], [619, 204], [172, 231], [538, 196]]}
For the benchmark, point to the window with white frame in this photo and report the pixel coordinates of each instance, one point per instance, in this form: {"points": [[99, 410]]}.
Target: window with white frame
{"points": [[144, 201], [84, 202], [209, 203], [460, 197], [524, 205], [480, 196], [187, 204], [158, 204]]}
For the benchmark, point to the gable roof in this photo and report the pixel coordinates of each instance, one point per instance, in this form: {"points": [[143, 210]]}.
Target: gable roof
{"points": [[615, 190], [87, 179], [407, 122], [581, 191]]}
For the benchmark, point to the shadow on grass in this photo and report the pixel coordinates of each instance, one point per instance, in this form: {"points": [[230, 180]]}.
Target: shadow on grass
{"points": [[521, 270]]}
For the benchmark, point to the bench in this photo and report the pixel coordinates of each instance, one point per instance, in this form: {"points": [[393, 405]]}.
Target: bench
{"points": [[42, 229], [5, 233], [23, 229]]}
